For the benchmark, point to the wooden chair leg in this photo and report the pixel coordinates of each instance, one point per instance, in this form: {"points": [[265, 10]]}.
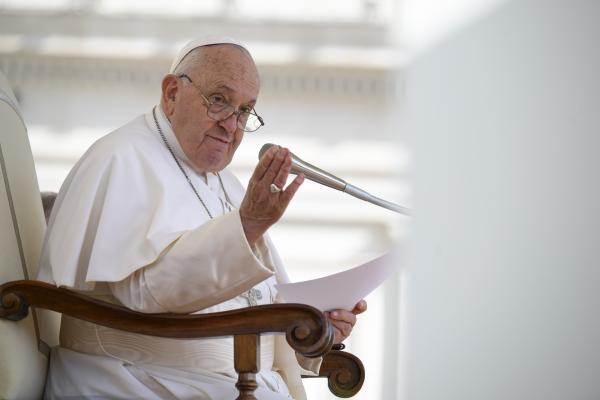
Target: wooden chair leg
{"points": [[246, 354]]}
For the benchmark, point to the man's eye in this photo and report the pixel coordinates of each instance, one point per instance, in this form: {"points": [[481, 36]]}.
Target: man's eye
{"points": [[217, 99]]}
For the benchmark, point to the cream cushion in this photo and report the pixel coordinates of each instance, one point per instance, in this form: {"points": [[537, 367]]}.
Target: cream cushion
{"points": [[23, 344]]}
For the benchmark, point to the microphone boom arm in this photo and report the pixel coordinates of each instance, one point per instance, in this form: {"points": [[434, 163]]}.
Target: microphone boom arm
{"points": [[325, 178], [361, 194]]}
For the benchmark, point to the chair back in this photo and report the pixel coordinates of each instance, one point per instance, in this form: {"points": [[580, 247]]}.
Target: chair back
{"points": [[24, 345]]}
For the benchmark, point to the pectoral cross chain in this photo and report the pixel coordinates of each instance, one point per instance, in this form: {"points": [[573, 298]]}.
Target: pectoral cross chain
{"points": [[253, 295]]}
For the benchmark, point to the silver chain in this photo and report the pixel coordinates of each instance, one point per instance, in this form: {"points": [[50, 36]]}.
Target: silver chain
{"points": [[252, 295], [225, 205]]}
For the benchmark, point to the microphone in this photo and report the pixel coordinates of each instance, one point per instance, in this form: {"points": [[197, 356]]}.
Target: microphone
{"points": [[316, 174]]}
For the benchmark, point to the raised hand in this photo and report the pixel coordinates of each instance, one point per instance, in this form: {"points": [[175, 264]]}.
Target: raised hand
{"points": [[266, 198]]}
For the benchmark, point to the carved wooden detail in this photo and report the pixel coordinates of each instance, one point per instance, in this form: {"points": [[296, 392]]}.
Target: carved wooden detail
{"points": [[307, 330], [344, 371]]}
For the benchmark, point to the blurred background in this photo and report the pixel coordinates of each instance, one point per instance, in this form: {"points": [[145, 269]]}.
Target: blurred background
{"points": [[331, 89], [485, 95]]}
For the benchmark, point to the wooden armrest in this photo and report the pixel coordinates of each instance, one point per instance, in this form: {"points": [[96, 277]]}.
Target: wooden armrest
{"points": [[344, 371], [307, 330]]}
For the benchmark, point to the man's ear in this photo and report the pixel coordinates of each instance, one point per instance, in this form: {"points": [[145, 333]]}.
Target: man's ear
{"points": [[170, 88]]}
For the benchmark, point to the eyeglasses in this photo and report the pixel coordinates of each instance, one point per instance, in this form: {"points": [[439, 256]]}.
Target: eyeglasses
{"points": [[219, 110]]}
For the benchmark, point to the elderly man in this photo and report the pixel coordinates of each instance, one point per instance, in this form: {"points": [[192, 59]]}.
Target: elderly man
{"points": [[150, 218]]}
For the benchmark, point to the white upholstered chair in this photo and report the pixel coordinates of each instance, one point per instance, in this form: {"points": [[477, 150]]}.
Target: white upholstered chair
{"points": [[24, 344]]}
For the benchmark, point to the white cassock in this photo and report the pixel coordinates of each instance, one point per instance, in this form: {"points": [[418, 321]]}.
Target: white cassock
{"points": [[127, 228]]}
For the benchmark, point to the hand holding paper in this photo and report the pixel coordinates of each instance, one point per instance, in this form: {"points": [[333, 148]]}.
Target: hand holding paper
{"points": [[341, 291], [343, 321]]}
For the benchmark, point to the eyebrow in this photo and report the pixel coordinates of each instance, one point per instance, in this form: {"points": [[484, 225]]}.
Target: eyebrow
{"points": [[231, 90]]}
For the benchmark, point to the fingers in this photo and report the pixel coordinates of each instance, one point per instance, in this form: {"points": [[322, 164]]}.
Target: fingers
{"points": [[264, 163], [341, 328], [290, 191], [261, 206], [360, 307], [338, 335], [343, 321], [343, 316], [279, 168], [273, 167]]}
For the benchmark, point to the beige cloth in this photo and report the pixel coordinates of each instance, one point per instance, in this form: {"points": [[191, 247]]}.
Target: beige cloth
{"points": [[127, 227]]}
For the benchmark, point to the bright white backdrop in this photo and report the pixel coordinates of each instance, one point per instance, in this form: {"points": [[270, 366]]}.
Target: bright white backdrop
{"points": [[331, 88]]}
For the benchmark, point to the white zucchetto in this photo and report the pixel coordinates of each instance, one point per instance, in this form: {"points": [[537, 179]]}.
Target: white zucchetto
{"points": [[205, 41]]}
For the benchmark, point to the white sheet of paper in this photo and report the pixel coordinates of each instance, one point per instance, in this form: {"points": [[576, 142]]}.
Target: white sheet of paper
{"points": [[342, 290]]}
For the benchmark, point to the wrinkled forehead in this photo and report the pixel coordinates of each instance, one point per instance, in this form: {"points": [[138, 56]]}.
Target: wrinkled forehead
{"points": [[226, 64], [225, 56]]}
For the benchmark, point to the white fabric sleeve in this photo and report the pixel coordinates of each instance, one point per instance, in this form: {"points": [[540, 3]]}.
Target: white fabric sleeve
{"points": [[204, 267]]}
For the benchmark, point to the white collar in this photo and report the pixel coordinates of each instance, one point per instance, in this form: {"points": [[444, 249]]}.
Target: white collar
{"points": [[210, 181]]}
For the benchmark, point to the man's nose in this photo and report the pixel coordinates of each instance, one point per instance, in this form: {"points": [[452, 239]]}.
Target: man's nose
{"points": [[229, 123]]}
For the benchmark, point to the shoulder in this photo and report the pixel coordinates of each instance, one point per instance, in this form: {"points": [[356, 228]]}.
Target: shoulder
{"points": [[132, 138], [129, 151], [132, 143]]}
